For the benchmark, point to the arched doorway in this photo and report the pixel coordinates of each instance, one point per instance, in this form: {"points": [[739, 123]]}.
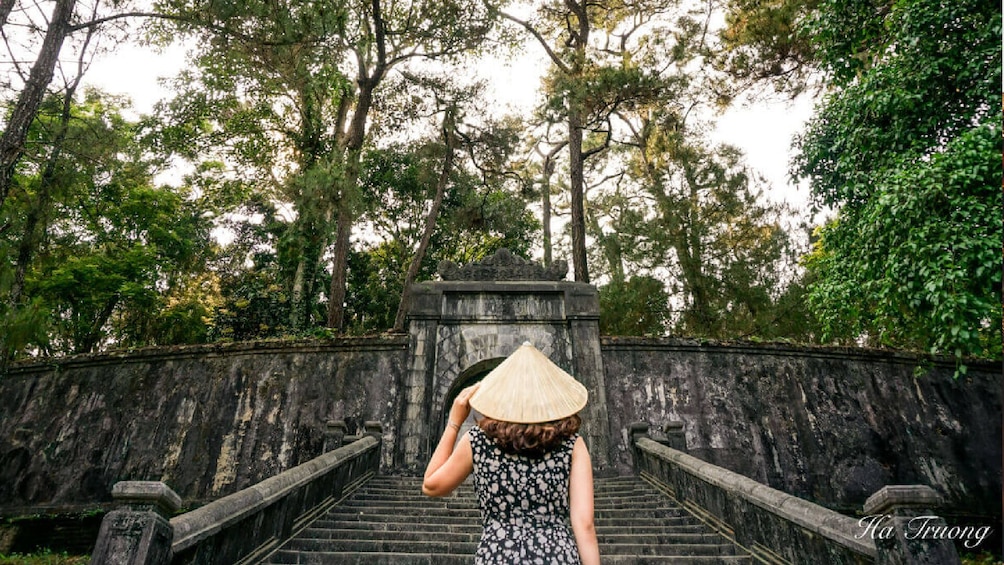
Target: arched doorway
{"points": [[466, 378]]}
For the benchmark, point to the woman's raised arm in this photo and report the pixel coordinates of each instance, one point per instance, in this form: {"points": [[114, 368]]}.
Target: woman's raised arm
{"points": [[448, 467]]}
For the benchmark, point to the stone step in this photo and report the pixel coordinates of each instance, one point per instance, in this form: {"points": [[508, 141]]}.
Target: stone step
{"points": [[465, 505], [472, 535], [389, 521], [621, 500], [285, 557], [682, 526], [441, 546], [364, 499], [396, 511], [601, 487]]}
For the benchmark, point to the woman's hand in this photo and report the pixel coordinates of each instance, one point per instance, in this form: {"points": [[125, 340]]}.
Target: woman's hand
{"points": [[462, 405]]}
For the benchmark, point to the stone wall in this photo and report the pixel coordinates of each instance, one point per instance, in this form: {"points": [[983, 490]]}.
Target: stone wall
{"points": [[208, 421], [827, 424]]}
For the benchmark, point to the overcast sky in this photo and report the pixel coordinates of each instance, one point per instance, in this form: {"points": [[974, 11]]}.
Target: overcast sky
{"points": [[763, 131]]}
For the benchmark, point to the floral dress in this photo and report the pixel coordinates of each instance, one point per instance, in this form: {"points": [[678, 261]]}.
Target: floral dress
{"points": [[524, 505]]}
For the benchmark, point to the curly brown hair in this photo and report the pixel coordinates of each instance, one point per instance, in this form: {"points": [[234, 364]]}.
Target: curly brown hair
{"points": [[530, 440]]}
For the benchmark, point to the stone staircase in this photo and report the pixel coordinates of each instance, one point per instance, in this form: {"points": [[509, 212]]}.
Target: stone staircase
{"points": [[389, 522]]}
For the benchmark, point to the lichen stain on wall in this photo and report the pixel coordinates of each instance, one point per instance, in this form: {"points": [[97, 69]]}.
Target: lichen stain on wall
{"points": [[182, 423], [227, 461]]}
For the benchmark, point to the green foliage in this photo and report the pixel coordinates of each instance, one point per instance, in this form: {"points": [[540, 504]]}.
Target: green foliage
{"points": [[476, 219], [934, 74], [907, 148], [638, 306], [919, 264], [766, 42], [254, 301], [251, 309], [374, 288], [283, 92], [44, 557], [107, 249], [985, 558], [266, 97], [696, 218], [21, 324]]}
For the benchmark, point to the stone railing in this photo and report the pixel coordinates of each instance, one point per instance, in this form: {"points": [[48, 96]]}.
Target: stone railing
{"points": [[241, 528], [778, 528]]}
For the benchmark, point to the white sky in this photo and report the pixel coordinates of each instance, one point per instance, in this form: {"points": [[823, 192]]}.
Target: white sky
{"points": [[763, 131]]}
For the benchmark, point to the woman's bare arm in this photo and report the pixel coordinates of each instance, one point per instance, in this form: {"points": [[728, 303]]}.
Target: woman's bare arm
{"points": [[580, 502], [448, 467]]}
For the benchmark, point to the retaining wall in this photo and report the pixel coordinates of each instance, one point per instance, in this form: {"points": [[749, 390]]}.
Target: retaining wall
{"points": [[830, 425]]}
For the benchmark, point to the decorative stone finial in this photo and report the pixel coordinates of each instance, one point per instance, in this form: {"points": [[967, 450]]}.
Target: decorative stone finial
{"points": [[503, 266], [154, 495]]}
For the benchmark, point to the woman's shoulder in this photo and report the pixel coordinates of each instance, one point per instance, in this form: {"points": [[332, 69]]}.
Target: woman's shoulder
{"points": [[477, 434], [570, 441]]}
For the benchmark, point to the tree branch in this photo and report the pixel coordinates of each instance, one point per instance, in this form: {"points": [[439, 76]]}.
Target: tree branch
{"points": [[540, 39]]}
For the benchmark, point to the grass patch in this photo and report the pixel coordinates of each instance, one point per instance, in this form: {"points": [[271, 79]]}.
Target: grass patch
{"points": [[985, 558], [44, 557]]}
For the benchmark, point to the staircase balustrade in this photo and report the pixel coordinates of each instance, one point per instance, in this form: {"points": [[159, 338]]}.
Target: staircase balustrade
{"points": [[778, 528], [241, 528]]}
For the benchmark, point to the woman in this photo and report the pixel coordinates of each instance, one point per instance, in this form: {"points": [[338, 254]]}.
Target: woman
{"points": [[532, 471]]}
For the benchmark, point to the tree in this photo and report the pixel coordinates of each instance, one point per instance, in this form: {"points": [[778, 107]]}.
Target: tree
{"points": [[704, 219], [638, 306], [449, 150], [326, 63], [68, 20], [594, 71], [30, 98], [267, 98], [907, 149], [478, 213], [113, 247], [767, 43]]}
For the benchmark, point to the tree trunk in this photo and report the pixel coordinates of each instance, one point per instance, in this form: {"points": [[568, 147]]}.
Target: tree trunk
{"points": [[577, 161], [353, 147], [36, 222], [6, 6], [92, 338], [545, 206], [30, 99], [545, 189], [576, 187], [339, 272], [350, 181], [430, 222], [297, 295]]}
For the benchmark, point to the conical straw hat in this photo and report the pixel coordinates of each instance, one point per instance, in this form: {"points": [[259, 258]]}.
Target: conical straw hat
{"points": [[527, 388]]}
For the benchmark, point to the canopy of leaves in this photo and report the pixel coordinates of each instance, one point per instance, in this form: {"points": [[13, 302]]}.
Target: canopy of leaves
{"points": [[476, 220], [116, 250], [303, 119], [635, 307], [767, 42], [907, 148]]}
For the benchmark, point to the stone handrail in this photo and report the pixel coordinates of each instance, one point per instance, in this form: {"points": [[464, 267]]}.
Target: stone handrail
{"points": [[241, 528], [779, 528]]}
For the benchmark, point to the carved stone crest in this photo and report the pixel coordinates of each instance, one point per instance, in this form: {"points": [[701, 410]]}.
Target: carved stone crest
{"points": [[503, 266]]}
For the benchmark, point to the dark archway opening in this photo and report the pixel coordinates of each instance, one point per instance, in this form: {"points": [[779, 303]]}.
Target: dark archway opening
{"points": [[468, 377]]}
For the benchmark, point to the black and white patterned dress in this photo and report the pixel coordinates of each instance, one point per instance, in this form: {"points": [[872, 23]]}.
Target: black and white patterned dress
{"points": [[524, 505]]}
